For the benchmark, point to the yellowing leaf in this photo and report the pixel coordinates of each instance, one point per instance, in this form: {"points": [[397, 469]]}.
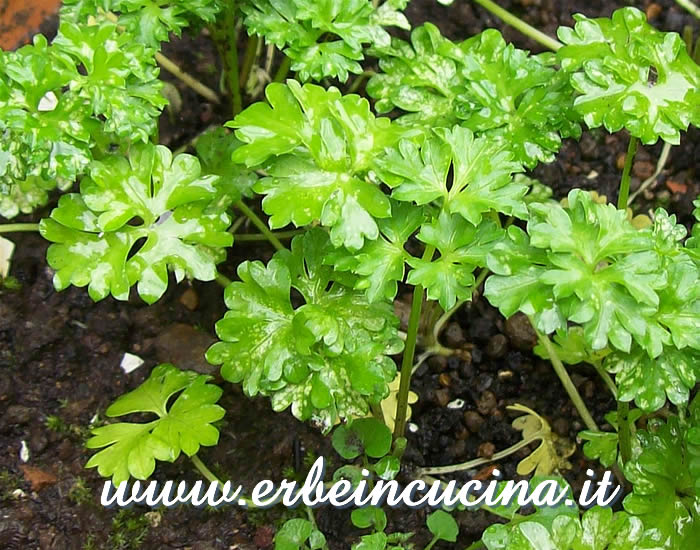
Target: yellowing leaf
{"points": [[553, 451], [7, 248], [388, 405]]}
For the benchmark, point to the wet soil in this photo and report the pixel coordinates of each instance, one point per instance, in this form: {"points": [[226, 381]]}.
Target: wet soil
{"points": [[60, 355]]}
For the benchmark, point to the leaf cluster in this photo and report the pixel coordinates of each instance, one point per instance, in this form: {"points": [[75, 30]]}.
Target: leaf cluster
{"points": [[326, 358], [325, 38], [483, 84]]}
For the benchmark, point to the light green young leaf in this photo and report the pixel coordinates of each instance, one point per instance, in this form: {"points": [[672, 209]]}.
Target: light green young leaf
{"points": [[323, 38], [178, 216], [649, 381], [483, 84], [482, 179], [131, 449], [630, 75], [317, 148], [462, 247], [327, 359], [443, 526], [664, 496]]}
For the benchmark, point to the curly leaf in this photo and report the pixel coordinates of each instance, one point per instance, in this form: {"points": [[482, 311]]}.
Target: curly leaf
{"points": [[133, 219], [462, 247], [553, 450], [663, 495], [588, 265], [317, 148], [322, 38], [327, 358], [630, 75], [482, 179], [649, 381], [131, 449], [598, 529], [484, 84]]}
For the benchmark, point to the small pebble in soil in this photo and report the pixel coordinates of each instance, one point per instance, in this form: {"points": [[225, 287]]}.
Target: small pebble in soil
{"points": [[189, 299], [442, 397], [438, 363], [454, 336], [473, 421], [520, 332], [456, 404], [561, 427], [486, 449], [445, 380], [487, 403], [497, 346]]}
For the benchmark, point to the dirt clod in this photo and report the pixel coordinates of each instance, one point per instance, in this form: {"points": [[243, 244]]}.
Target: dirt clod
{"points": [[520, 332]]}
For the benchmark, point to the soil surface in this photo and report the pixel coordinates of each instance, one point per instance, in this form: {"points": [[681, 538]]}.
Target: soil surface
{"points": [[60, 355]]}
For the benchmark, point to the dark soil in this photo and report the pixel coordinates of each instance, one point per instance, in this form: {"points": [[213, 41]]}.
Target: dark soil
{"points": [[60, 355]]}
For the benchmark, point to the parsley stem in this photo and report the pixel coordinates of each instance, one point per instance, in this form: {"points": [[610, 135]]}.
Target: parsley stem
{"points": [[225, 36], [528, 30], [690, 6], [251, 237], [212, 478], [623, 431], [18, 227], [409, 352], [187, 79], [359, 79], [283, 70], [471, 464], [257, 222], [251, 53], [661, 163], [568, 384], [222, 279], [625, 181], [205, 91]]}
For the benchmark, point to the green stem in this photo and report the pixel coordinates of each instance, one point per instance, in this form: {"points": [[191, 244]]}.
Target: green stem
{"points": [[661, 163], [257, 222], [222, 279], [359, 79], [623, 431], [212, 478], [251, 52], [431, 543], [567, 382], [528, 30], [625, 181], [312, 519], [690, 6], [283, 70], [205, 91], [471, 464], [408, 354], [252, 237], [18, 227], [606, 378], [225, 36]]}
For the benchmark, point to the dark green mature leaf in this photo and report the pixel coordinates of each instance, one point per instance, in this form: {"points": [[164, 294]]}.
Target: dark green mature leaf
{"points": [[327, 358], [317, 148], [484, 84], [177, 213], [664, 493], [323, 38], [630, 75], [462, 247], [131, 449], [588, 265], [481, 179]]}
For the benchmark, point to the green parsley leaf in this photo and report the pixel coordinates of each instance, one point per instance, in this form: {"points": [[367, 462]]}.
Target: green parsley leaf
{"points": [[664, 495], [481, 182], [462, 247], [630, 75], [131, 449], [322, 38], [317, 148], [327, 358], [484, 84], [151, 198]]}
